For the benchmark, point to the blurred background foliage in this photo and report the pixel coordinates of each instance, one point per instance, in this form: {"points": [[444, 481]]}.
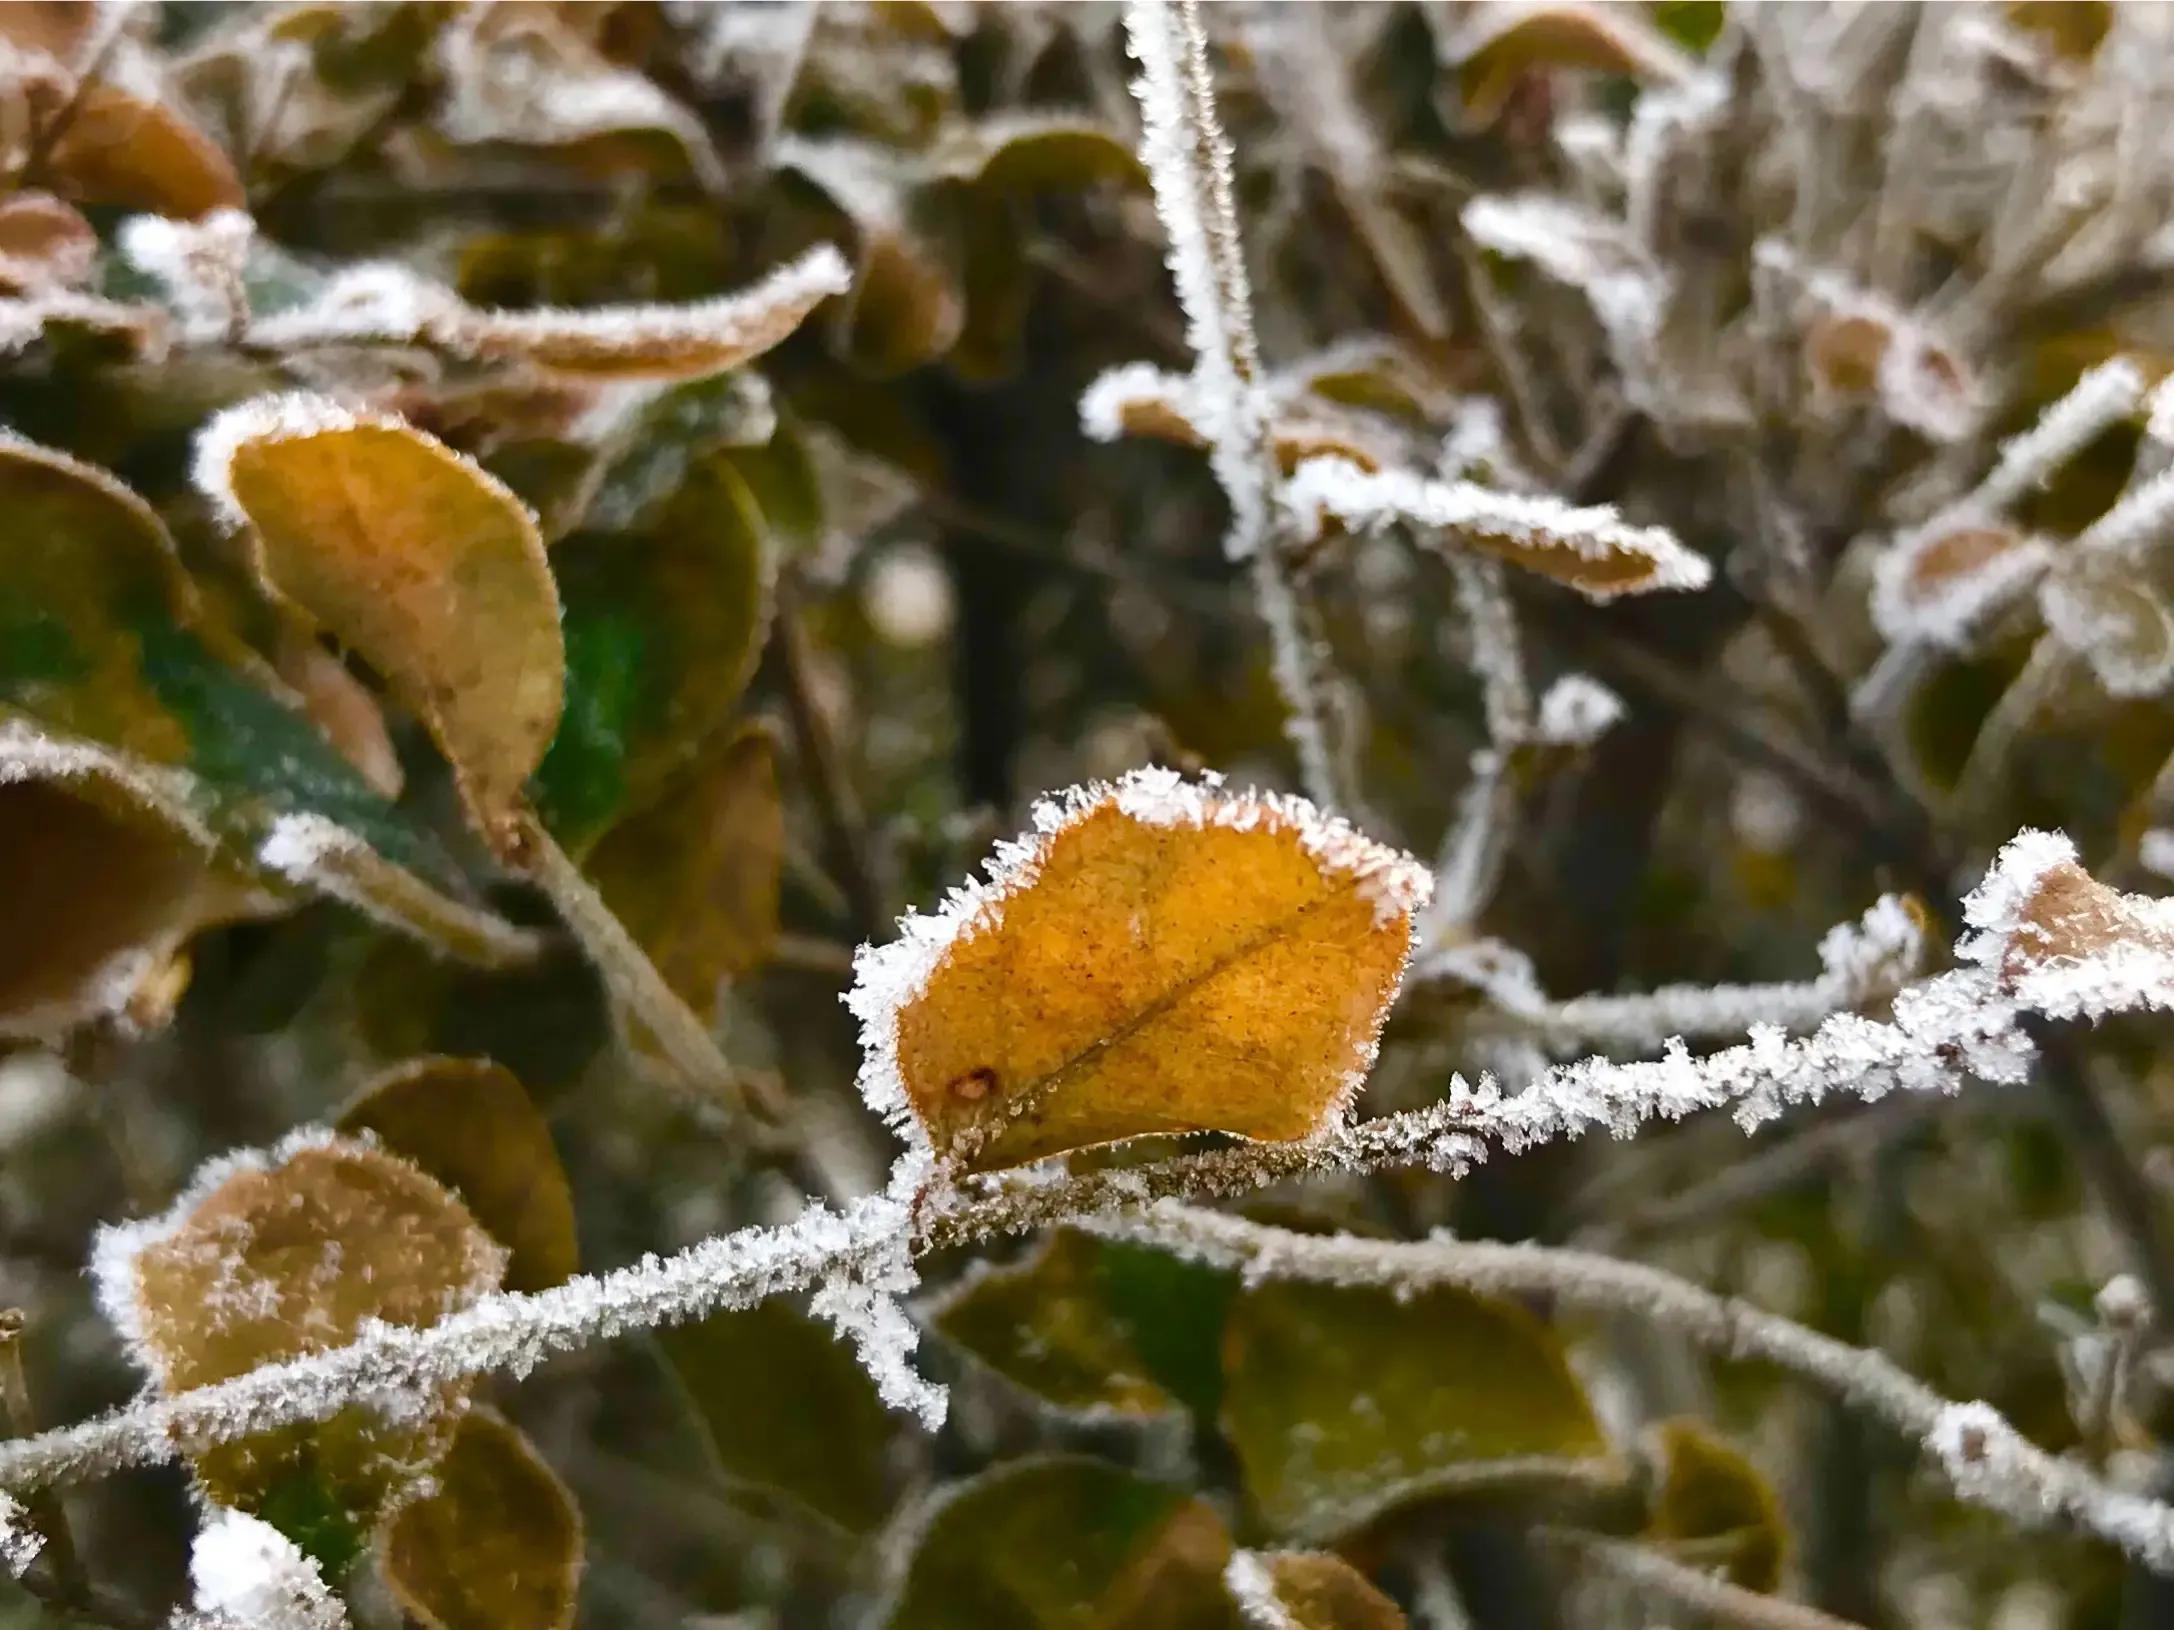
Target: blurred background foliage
{"points": [[831, 620]]}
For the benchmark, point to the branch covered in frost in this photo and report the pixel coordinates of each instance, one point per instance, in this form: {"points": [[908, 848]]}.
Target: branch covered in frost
{"points": [[1592, 549], [1709, 1595], [19, 1542], [1188, 159], [2103, 397], [2063, 956], [1987, 1460], [1860, 963], [1253, 1589]]}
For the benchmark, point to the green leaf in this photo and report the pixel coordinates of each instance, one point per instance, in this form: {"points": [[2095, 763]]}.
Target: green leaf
{"points": [[1046, 1324], [790, 1412], [1066, 1543], [496, 1544], [1714, 1509], [470, 1124], [1346, 1402], [663, 629]]}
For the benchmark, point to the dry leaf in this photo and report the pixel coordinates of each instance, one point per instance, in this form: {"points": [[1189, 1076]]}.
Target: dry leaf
{"points": [[1320, 1591], [495, 1545], [1507, 41], [2117, 622], [2070, 916], [694, 874], [1157, 956], [140, 153], [269, 1256], [416, 558], [44, 243], [471, 1125]]}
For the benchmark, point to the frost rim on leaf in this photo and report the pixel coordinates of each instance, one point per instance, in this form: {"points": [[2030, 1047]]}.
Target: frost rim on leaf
{"points": [[887, 979]]}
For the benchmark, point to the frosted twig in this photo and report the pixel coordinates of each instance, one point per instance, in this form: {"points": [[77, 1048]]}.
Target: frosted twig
{"points": [[1253, 1588], [1988, 1462], [1188, 158], [19, 1542], [1706, 1594], [1960, 1023], [2104, 396]]}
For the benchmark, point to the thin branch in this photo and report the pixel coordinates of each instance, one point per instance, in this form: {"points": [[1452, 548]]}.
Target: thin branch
{"points": [[1986, 1460], [1705, 1594]]}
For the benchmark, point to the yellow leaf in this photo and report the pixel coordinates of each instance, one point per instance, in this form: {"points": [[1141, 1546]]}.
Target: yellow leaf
{"points": [[1713, 1508], [495, 1545], [1157, 956], [425, 565], [273, 1255], [470, 1124], [694, 876]]}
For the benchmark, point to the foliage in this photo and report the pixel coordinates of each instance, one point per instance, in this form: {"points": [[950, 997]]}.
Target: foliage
{"points": [[528, 532]]}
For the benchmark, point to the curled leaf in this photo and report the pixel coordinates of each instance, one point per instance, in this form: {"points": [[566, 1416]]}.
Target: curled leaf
{"points": [[425, 565], [471, 1125], [1344, 1402], [274, 1254], [1059, 1541], [1714, 1508], [139, 152], [44, 243], [1944, 583], [2119, 624], [1312, 1590], [1156, 956], [1592, 550], [1503, 42], [495, 1543]]}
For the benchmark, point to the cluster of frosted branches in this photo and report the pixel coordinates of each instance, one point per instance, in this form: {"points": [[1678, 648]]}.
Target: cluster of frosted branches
{"points": [[2092, 952]]}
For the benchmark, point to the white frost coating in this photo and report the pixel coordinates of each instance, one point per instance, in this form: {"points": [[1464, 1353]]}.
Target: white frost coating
{"points": [[1253, 1588], [28, 754], [1993, 1465], [2142, 517], [1586, 251], [887, 979], [2159, 413], [247, 1573], [374, 301], [1337, 487], [2104, 396], [2122, 629], [2128, 967], [19, 1542], [297, 846], [1577, 711], [1103, 404], [863, 1302], [199, 264], [2155, 851]]}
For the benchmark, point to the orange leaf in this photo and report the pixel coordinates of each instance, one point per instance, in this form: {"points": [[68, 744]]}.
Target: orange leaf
{"points": [[1157, 957]]}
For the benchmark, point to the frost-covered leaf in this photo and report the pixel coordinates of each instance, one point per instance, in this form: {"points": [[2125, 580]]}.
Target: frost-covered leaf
{"points": [[244, 1571], [496, 1542], [1047, 1324], [1345, 1402], [470, 1124], [107, 871], [2063, 942], [1156, 956], [694, 873], [270, 1255], [426, 566], [138, 151], [663, 628], [820, 1437], [44, 243], [1064, 1543], [1502, 42], [1592, 550], [1943, 583], [2117, 622], [1713, 1509], [1307, 1590]]}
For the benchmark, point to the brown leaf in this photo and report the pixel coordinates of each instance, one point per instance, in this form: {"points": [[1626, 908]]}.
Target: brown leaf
{"points": [[342, 707], [417, 559], [694, 875], [495, 1545], [1157, 956], [270, 1256], [1506, 42], [44, 243], [471, 1125], [2069, 916], [140, 153], [1321, 1591]]}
